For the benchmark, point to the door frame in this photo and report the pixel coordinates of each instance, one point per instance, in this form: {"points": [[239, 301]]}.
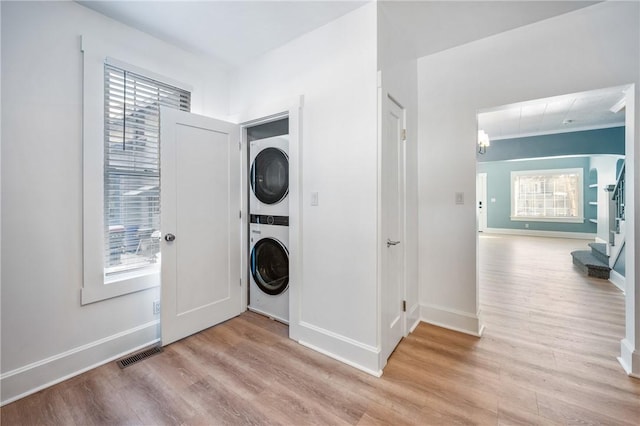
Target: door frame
{"points": [[273, 111], [629, 357], [385, 96]]}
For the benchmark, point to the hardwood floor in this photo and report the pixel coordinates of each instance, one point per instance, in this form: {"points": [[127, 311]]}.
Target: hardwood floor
{"points": [[548, 356]]}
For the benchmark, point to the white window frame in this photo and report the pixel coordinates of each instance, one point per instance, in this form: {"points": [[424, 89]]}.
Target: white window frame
{"points": [[95, 286], [549, 172]]}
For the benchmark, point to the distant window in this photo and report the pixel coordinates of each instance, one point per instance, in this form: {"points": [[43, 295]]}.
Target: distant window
{"points": [[547, 195], [132, 166]]}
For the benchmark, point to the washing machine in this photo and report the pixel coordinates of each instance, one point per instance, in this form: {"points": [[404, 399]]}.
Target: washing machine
{"points": [[269, 266], [269, 176]]}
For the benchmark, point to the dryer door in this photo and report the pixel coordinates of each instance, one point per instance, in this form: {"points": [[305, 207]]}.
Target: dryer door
{"points": [[270, 175], [270, 266]]}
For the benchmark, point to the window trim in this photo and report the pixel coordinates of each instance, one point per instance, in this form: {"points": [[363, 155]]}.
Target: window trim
{"points": [[95, 53], [555, 219]]}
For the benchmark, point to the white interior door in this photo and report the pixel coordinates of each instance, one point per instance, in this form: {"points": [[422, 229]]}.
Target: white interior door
{"points": [[199, 206], [392, 185], [481, 199]]}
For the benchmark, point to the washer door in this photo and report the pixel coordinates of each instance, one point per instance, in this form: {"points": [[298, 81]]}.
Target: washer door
{"points": [[270, 266], [270, 175]]}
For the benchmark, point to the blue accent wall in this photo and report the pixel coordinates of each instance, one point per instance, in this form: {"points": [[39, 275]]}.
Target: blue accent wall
{"points": [[587, 142], [499, 188]]}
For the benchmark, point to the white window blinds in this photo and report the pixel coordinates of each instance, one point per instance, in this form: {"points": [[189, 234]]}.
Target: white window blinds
{"points": [[132, 166]]}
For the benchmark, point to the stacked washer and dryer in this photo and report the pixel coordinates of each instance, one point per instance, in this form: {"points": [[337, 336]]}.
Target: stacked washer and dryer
{"points": [[269, 227]]}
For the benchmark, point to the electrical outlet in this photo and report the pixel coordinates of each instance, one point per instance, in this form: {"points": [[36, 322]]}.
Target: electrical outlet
{"points": [[526, 225], [156, 307]]}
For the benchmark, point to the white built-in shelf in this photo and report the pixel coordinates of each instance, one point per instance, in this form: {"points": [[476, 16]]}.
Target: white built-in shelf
{"points": [[593, 220], [593, 203], [593, 185]]}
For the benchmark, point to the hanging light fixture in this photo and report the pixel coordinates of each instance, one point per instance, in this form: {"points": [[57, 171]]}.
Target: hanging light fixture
{"points": [[483, 141]]}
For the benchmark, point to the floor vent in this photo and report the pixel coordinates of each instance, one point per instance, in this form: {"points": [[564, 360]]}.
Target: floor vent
{"points": [[132, 359]]}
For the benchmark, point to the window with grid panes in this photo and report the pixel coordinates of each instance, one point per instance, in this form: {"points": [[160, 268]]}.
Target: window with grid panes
{"points": [[132, 166], [547, 195]]}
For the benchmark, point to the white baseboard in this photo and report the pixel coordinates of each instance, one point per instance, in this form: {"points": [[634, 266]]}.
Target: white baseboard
{"points": [[351, 352], [536, 233], [415, 325], [452, 319], [413, 317], [617, 280], [23, 381], [629, 359]]}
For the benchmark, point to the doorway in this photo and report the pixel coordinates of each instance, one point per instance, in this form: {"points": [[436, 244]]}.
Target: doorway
{"points": [[279, 118], [535, 138], [393, 241], [268, 232]]}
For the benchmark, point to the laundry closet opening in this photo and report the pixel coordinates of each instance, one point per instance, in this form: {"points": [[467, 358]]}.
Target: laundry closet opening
{"points": [[267, 244]]}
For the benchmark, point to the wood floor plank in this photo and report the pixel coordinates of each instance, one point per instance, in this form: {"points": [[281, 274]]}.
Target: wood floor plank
{"points": [[147, 395], [517, 399], [212, 397], [547, 357], [100, 401]]}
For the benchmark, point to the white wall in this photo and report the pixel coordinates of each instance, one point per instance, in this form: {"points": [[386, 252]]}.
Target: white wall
{"points": [[46, 334], [334, 67], [0, 195], [587, 49], [399, 78]]}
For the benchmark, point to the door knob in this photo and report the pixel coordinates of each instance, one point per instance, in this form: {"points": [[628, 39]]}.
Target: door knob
{"points": [[169, 237], [392, 243]]}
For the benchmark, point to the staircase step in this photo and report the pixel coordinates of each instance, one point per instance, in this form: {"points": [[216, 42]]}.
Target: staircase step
{"points": [[590, 264], [599, 250]]}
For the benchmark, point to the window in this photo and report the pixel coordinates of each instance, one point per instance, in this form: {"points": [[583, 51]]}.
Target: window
{"points": [[120, 164], [132, 167], [547, 195]]}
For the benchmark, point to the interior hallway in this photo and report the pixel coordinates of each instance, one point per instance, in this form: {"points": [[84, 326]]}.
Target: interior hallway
{"points": [[548, 356]]}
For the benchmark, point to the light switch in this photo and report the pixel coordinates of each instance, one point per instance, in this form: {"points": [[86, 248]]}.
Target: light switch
{"points": [[459, 197], [493, 200], [314, 198]]}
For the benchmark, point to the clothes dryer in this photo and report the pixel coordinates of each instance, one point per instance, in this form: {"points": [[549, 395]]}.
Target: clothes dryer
{"points": [[269, 266], [269, 176]]}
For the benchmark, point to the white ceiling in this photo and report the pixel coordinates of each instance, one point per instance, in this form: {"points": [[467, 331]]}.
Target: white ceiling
{"points": [[434, 26], [559, 114], [231, 32], [234, 32]]}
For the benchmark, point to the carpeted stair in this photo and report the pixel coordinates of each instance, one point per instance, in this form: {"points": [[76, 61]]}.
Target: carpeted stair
{"points": [[594, 262]]}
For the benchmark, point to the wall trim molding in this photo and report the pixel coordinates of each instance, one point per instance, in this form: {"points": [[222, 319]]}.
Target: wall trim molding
{"points": [[31, 378], [537, 233], [344, 349], [618, 280], [414, 313], [629, 359], [415, 325], [452, 319]]}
